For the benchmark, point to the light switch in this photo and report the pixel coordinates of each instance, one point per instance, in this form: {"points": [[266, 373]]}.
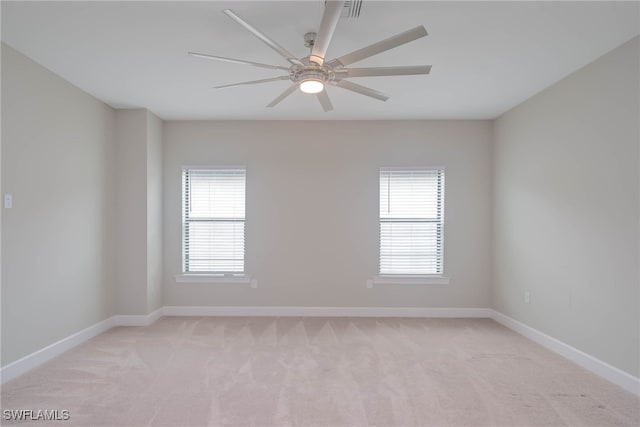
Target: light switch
{"points": [[369, 284], [8, 200], [254, 283]]}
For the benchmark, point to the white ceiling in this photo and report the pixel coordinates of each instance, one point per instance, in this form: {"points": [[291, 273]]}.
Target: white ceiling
{"points": [[487, 56]]}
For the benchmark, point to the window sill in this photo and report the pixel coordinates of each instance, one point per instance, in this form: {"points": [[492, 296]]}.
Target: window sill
{"points": [[215, 279], [410, 280]]}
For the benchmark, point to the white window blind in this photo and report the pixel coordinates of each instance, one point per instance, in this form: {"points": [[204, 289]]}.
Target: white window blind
{"points": [[213, 220], [411, 221]]}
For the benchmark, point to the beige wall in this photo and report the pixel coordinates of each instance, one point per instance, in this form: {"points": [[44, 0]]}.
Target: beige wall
{"points": [[57, 158], [154, 213], [566, 221], [139, 211], [312, 209], [131, 137]]}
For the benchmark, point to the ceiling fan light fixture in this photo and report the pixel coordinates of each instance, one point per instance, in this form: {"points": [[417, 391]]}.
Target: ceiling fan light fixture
{"points": [[311, 86]]}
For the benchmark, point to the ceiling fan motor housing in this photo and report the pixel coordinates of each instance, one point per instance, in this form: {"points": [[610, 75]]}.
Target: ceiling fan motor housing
{"points": [[311, 72]]}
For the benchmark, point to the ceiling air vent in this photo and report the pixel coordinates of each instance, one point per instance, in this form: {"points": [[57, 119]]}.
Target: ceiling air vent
{"points": [[351, 9]]}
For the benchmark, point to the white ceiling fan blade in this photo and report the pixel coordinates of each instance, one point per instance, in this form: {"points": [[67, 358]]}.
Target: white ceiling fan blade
{"points": [[283, 95], [238, 61], [330, 18], [363, 90], [381, 46], [323, 97], [272, 44], [383, 71], [253, 82]]}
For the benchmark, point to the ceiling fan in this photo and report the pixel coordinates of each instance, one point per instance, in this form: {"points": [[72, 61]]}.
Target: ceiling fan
{"points": [[313, 73]]}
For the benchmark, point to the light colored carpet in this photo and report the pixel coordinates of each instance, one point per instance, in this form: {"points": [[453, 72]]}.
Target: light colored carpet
{"points": [[319, 371]]}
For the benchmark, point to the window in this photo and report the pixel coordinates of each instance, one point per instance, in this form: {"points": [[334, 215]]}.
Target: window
{"points": [[213, 220], [411, 221]]}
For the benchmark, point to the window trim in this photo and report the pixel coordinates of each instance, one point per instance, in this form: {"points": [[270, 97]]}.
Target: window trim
{"points": [[213, 278], [210, 276], [412, 279]]}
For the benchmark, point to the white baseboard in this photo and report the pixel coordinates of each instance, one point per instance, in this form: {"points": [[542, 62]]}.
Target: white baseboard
{"points": [[155, 315], [603, 369], [597, 366], [326, 311], [37, 358], [30, 361], [137, 319]]}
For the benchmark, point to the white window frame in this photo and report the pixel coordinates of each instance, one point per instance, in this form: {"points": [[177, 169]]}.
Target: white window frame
{"points": [[412, 279], [212, 277]]}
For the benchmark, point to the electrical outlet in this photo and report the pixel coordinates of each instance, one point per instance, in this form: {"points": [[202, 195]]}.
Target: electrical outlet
{"points": [[8, 201], [254, 283], [369, 284], [527, 297]]}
